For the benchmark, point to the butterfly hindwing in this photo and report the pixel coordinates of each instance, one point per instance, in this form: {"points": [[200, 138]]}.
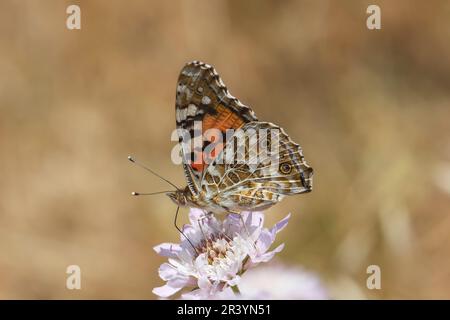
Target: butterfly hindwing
{"points": [[264, 178]]}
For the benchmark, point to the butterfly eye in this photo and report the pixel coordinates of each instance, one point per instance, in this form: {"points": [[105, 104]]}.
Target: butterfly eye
{"points": [[285, 168]]}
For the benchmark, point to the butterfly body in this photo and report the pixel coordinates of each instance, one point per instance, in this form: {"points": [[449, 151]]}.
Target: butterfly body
{"points": [[252, 169]]}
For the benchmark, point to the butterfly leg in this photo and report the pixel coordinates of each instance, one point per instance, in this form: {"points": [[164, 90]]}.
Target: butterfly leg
{"points": [[199, 222], [244, 225], [181, 231]]}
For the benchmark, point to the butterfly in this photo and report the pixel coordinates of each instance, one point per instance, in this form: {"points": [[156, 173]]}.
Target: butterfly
{"points": [[219, 186]]}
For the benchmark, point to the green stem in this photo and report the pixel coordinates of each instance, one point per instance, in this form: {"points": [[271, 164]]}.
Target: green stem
{"points": [[235, 289]]}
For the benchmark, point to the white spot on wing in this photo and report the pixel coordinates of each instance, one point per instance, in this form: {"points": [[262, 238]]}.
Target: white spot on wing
{"points": [[181, 115], [206, 100], [191, 110]]}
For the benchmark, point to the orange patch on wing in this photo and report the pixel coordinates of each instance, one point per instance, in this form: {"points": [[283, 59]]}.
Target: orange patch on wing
{"points": [[223, 120], [217, 149], [198, 164]]}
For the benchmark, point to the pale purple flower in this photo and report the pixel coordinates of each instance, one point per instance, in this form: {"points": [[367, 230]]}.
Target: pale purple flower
{"points": [[286, 283], [224, 250], [275, 282]]}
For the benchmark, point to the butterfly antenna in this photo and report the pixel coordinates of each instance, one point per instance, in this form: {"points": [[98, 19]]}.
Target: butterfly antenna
{"points": [[151, 171], [148, 194]]}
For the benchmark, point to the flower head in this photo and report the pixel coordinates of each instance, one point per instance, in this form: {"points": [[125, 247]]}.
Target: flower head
{"points": [[286, 283], [276, 282], [216, 253]]}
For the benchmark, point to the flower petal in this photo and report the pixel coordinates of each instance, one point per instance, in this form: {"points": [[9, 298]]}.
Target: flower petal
{"points": [[282, 223], [204, 283], [232, 224], [235, 281], [255, 219], [265, 240], [197, 294], [254, 224], [268, 255], [195, 214], [174, 285], [166, 290], [167, 271], [170, 250]]}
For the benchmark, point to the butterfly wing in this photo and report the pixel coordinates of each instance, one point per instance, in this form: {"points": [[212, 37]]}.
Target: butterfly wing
{"points": [[202, 99], [261, 179]]}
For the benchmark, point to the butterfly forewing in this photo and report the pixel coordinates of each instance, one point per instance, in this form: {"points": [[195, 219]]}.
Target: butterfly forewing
{"points": [[202, 98]]}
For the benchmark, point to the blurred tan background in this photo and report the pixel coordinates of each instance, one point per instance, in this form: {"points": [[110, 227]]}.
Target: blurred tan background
{"points": [[370, 108]]}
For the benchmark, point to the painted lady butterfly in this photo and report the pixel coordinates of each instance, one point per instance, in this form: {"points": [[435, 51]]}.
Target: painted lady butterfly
{"points": [[220, 186]]}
